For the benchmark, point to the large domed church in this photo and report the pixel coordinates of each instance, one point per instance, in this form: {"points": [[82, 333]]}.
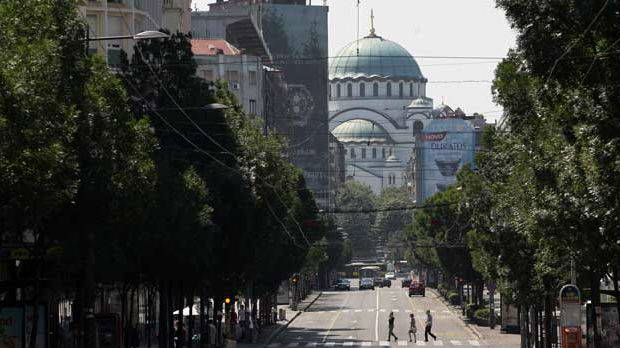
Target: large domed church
{"points": [[377, 92]]}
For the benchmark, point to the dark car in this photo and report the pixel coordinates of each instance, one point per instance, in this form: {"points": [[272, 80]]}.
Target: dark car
{"points": [[417, 288], [343, 284], [367, 283], [405, 282], [377, 281], [386, 282]]}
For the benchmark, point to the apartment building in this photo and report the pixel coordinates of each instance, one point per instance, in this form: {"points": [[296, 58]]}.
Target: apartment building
{"points": [[128, 17]]}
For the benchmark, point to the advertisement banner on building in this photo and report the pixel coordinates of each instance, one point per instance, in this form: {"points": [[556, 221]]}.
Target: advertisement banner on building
{"points": [[296, 36], [446, 146], [11, 326]]}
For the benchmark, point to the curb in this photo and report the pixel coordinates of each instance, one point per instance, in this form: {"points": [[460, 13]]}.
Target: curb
{"points": [[279, 330], [473, 330]]}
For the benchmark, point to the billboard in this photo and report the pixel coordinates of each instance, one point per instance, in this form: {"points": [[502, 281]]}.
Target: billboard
{"points": [[445, 146], [296, 36]]}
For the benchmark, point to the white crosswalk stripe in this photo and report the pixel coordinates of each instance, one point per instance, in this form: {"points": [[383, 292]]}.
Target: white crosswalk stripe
{"points": [[382, 310], [330, 344], [384, 343], [446, 311], [371, 310], [345, 311], [438, 343], [402, 343], [274, 345], [312, 344], [366, 344], [358, 310], [474, 343], [348, 344], [395, 310], [456, 343], [421, 343], [408, 310], [294, 344]]}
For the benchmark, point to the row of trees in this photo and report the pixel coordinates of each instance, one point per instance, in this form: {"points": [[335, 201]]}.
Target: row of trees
{"points": [[369, 219], [545, 190], [126, 177]]}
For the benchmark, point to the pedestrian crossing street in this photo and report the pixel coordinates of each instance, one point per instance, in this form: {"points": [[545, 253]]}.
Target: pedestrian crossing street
{"points": [[401, 343]]}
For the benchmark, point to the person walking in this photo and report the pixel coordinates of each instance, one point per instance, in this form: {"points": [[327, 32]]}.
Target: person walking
{"points": [[412, 328], [429, 326], [391, 327]]}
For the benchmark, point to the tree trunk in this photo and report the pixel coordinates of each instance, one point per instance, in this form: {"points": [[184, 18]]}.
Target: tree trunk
{"points": [[35, 306], [615, 278], [163, 336], [202, 318], [89, 290], [169, 313], [190, 329], [129, 323], [548, 328], [524, 329], [595, 284]]}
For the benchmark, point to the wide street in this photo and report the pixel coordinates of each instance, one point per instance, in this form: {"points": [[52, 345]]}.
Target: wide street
{"points": [[360, 318]]}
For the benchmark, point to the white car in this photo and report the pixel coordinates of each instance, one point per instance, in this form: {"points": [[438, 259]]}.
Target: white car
{"points": [[390, 275]]}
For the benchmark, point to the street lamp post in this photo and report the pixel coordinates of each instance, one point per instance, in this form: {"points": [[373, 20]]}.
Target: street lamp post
{"points": [[88, 326]]}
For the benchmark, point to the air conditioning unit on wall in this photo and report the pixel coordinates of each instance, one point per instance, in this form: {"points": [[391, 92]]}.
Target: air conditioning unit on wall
{"points": [[235, 86]]}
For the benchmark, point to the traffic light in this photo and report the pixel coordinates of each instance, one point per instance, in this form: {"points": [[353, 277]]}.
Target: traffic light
{"points": [[227, 300]]}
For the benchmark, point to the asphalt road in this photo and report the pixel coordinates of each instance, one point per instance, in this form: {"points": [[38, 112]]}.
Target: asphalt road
{"points": [[360, 319]]}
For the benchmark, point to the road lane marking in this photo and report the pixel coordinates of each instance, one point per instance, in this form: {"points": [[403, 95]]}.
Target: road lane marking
{"points": [[408, 310], [421, 343], [371, 310], [384, 343], [345, 311], [358, 310], [377, 319], [382, 310], [330, 344], [348, 344], [456, 343], [366, 344], [438, 343], [294, 344], [331, 326], [402, 343], [333, 311], [474, 343], [312, 344], [446, 311], [395, 310], [273, 345]]}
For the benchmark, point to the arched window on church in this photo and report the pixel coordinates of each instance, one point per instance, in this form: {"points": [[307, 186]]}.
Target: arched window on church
{"points": [[338, 91], [389, 89], [349, 90], [411, 89], [362, 89], [375, 89], [400, 90]]}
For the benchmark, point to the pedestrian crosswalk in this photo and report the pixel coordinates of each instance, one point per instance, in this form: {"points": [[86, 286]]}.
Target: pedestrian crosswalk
{"points": [[382, 310], [400, 343]]}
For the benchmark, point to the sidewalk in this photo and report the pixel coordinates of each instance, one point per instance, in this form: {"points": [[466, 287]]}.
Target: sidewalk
{"points": [[492, 337], [269, 333]]}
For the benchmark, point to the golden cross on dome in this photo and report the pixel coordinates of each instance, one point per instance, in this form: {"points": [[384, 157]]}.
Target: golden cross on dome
{"points": [[372, 23]]}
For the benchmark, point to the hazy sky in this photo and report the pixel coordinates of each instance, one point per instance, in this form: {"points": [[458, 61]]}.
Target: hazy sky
{"points": [[432, 28]]}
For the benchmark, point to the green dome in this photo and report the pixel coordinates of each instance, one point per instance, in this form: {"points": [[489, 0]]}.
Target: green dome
{"points": [[361, 131], [377, 57]]}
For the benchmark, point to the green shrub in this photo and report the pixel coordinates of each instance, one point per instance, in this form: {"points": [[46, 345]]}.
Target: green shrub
{"points": [[470, 309], [453, 298], [482, 314]]}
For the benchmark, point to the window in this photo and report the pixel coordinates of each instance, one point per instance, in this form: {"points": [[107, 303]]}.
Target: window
{"points": [[115, 28], [362, 89], [389, 89], [363, 153], [374, 152], [207, 75], [352, 153], [375, 89], [253, 106], [232, 76], [400, 89], [92, 32], [349, 90], [390, 151], [418, 89], [411, 89], [337, 91], [383, 152], [252, 78]]}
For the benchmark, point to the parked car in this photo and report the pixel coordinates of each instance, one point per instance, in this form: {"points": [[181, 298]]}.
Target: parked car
{"points": [[386, 282], [367, 283], [405, 282], [377, 281], [390, 275], [417, 288], [343, 284]]}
